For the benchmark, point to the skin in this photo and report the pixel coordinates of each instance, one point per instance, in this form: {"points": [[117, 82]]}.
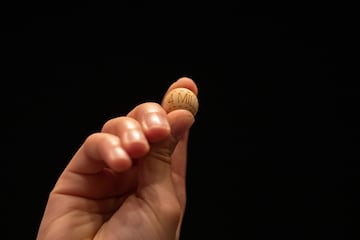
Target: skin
{"points": [[126, 181]]}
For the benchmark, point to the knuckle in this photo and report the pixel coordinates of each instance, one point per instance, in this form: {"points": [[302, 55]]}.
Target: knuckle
{"points": [[110, 124]]}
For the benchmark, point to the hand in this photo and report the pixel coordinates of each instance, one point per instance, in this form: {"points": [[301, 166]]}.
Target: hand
{"points": [[125, 182]]}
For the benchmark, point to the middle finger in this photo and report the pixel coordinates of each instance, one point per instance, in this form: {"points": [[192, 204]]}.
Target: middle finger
{"points": [[131, 135]]}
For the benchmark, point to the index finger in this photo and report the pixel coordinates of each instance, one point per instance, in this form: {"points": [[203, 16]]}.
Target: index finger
{"points": [[184, 82]]}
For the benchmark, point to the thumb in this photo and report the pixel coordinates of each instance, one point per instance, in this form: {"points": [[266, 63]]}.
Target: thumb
{"points": [[156, 167], [162, 171], [158, 184], [160, 164]]}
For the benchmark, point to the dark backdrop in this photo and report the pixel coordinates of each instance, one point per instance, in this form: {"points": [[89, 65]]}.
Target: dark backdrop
{"points": [[274, 150]]}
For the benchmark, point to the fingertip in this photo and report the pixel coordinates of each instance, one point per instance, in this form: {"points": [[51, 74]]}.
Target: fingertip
{"points": [[156, 126], [98, 151], [112, 153], [118, 159], [184, 82]]}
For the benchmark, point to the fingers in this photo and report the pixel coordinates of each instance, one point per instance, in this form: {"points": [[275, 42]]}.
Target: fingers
{"points": [[184, 82], [153, 120], [124, 139], [98, 151], [133, 139]]}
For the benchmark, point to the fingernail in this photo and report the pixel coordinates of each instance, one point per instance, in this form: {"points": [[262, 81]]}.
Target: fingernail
{"points": [[117, 152], [155, 120], [133, 135]]}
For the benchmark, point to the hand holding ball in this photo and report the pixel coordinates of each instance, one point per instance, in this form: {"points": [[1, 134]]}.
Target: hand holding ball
{"points": [[181, 98]]}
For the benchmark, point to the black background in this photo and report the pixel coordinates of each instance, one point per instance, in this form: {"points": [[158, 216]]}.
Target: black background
{"points": [[274, 150]]}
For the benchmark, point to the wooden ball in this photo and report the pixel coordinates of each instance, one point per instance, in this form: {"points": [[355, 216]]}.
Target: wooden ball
{"points": [[181, 98]]}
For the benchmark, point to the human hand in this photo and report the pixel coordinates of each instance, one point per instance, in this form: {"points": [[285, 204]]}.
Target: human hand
{"points": [[126, 181]]}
